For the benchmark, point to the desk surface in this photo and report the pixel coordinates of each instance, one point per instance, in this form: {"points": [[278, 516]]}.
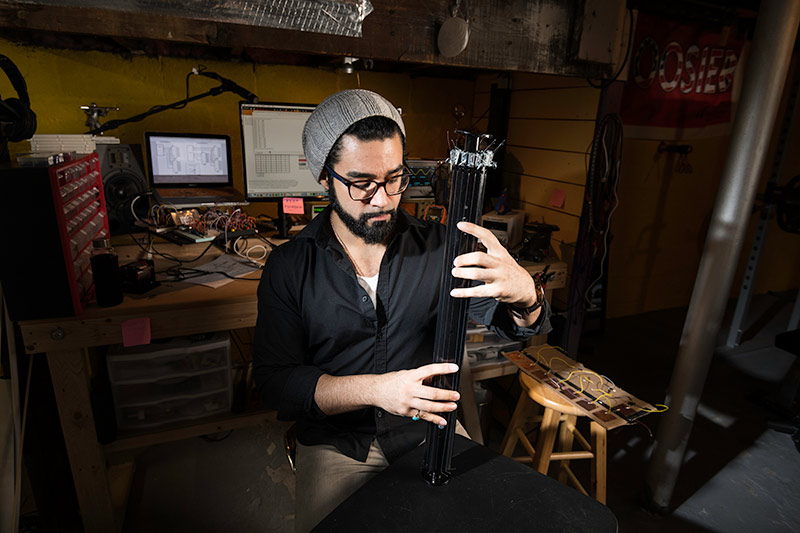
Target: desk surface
{"points": [[488, 492], [175, 308]]}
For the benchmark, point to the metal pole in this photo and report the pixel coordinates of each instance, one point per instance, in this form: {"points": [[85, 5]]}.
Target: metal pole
{"points": [[768, 209], [761, 93]]}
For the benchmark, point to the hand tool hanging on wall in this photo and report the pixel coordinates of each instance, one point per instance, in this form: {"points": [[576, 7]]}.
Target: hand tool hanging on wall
{"points": [[468, 166]]}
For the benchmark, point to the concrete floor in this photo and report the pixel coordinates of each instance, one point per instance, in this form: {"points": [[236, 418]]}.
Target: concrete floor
{"points": [[738, 476]]}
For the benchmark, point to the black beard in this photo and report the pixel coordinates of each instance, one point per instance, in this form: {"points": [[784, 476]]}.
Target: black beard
{"points": [[376, 233]]}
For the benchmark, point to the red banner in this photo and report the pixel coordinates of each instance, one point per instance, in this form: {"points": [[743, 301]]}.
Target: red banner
{"points": [[680, 80]]}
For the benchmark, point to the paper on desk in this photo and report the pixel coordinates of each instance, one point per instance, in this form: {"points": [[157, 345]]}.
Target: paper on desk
{"points": [[233, 265]]}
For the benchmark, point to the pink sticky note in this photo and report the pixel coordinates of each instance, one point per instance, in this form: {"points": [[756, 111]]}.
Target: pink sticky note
{"points": [[136, 331], [557, 198], [293, 206]]}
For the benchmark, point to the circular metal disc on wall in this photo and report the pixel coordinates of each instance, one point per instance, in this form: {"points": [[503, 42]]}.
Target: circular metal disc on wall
{"points": [[453, 36]]}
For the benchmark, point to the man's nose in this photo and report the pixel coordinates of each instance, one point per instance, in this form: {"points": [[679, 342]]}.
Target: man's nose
{"points": [[380, 199]]}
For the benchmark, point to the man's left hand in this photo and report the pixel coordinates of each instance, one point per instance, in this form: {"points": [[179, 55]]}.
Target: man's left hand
{"points": [[503, 279]]}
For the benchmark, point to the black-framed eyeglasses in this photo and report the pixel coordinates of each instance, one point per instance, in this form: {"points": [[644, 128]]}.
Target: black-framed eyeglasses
{"points": [[361, 190]]}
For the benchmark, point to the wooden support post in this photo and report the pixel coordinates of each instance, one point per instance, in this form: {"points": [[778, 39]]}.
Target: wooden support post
{"points": [[70, 384], [599, 445]]}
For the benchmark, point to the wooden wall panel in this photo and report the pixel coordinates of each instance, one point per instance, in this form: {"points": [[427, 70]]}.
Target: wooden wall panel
{"points": [[525, 80], [539, 191], [566, 104], [561, 135], [551, 125], [550, 164]]}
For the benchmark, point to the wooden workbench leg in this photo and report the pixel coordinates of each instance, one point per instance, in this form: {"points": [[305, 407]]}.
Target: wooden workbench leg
{"points": [[71, 386]]}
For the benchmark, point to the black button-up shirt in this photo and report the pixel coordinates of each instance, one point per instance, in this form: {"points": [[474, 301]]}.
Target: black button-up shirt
{"points": [[315, 318]]}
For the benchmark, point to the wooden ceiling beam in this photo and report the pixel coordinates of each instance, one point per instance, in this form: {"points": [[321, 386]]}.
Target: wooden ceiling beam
{"points": [[524, 35]]}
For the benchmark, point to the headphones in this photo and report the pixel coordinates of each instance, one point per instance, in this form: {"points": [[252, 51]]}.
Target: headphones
{"points": [[17, 119]]}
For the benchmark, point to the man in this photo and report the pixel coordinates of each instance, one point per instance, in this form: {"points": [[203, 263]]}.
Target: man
{"points": [[347, 309]]}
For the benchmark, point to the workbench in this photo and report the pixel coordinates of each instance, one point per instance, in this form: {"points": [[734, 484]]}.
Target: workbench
{"points": [[174, 309]]}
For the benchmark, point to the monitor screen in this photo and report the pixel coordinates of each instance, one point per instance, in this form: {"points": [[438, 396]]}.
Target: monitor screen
{"points": [[272, 149], [188, 159]]}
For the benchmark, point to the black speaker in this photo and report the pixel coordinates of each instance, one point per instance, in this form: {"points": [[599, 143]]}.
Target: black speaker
{"points": [[123, 180]]}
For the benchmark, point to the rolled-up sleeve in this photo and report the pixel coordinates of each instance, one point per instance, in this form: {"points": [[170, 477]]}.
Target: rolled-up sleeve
{"points": [[283, 378], [494, 315]]}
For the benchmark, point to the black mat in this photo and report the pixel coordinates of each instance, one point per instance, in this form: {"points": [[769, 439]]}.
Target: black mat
{"points": [[488, 492]]}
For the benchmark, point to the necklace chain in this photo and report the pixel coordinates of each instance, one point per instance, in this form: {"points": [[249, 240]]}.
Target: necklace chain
{"points": [[346, 251]]}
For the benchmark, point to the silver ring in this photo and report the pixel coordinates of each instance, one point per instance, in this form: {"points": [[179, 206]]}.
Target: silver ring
{"points": [[416, 416]]}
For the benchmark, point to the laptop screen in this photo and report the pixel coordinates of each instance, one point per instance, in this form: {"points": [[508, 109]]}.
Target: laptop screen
{"points": [[188, 159]]}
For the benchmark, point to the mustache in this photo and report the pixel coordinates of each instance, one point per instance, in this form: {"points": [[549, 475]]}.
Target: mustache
{"points": [[367, 216]]}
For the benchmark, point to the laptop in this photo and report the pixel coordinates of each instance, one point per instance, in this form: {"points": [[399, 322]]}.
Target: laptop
{"points": [[191, 170]]}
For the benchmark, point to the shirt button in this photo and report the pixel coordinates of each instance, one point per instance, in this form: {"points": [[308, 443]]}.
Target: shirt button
{"points": [[379, 413], [364, 298]]}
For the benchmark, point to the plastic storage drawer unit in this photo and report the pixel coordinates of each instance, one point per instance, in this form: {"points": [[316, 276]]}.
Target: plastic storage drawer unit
{"points": [[178, 380]]}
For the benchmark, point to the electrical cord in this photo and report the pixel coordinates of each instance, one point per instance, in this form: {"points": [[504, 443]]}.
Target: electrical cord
{"points": [[180, 274], [133, 203], [170, 257]]}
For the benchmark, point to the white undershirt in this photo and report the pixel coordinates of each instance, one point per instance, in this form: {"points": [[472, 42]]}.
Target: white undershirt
{"points": [[371, 286]]}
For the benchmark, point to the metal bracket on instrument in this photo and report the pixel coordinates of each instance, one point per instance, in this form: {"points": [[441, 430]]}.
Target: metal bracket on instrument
{"points": [[473, 159]]}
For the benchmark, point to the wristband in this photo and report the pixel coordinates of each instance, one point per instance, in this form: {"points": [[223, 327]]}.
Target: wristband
{"points": [[523, 312]]}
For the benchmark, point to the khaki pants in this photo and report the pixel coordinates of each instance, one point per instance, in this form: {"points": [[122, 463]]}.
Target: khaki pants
{"points": [[326, 477]]}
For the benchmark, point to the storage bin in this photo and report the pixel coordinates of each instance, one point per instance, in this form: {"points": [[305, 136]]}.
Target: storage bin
{"points": [[178, 380], [180, 356], [156, 414], [170, 387]]}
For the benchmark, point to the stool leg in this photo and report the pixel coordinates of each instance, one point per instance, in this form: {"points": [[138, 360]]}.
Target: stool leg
{"points": [[547, 438], [565, 437], [521, 414], [599, 446]]}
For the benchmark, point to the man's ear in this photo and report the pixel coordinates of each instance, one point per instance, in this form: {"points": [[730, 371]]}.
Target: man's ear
{"points": [[324, 180]]}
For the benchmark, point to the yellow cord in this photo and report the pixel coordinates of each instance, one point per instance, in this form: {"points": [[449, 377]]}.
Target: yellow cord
{"points": [[661, 410]]}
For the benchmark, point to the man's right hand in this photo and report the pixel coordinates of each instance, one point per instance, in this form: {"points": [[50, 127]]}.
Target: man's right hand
{"points": [[402, 393], [405, 393]]}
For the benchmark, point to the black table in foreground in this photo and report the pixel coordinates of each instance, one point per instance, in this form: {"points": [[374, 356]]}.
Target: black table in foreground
{"points": [[488, 492]]}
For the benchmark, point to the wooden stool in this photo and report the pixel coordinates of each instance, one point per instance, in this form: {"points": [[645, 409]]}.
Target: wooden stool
{"points": [[559, 418]]}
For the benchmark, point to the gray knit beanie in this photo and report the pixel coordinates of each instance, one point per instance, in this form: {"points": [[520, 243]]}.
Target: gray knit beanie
{"points": [[337, 113]]}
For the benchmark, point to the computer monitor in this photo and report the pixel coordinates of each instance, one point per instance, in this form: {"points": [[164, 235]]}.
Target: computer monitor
{"points": [[275, 166]]}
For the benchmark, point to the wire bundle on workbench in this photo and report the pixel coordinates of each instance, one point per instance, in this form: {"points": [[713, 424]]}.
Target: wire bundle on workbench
{"points": [[466, 201]]}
